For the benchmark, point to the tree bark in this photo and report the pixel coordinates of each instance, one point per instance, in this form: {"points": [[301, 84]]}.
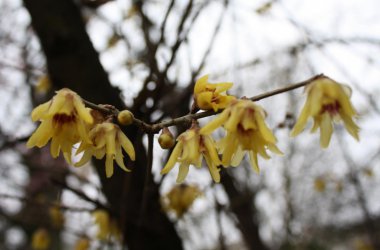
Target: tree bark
{"points": [[73, 62]]}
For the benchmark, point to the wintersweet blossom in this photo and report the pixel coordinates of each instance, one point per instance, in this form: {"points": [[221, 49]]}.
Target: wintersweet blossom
{"points": [[180, 198], [327, 102], [246, 131], [82, 244], [106, 225], [190, 149], [40, 239], [211, 96], [64, 120], [106, 139]]}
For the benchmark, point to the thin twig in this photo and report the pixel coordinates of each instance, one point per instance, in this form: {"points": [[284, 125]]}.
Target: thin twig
{"points": [[39, 203], [156, 127]]}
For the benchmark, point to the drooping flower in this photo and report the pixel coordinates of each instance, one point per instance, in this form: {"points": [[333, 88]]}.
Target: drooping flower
{"points": [[327, 102], [64, 120], [106, 139], [211, 96], [107, 227], [82, 244], [190, 150], [180, 198], [246, 131], [40, 239]]}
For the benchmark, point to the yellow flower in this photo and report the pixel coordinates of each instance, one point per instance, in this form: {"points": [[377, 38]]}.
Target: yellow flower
{"points": [[56, 216], [246, 131], [106, 139], [106, 226], [64, 120], [327, 102], [180, 198], [82, 244], [320, 184], [43, 85], [211, 96], [40, 239], [190, 149]]}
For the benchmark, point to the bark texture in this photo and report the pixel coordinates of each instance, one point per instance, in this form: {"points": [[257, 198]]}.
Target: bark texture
{"points": [[73, 62]]}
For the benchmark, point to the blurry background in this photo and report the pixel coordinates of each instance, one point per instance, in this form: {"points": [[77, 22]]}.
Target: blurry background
{"points": [[146, 55]]}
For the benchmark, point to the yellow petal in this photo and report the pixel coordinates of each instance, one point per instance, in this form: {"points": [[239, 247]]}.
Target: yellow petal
{"points": [[214, 124], [54, 147], [83, 113], [127, 145], [214, 171], [234, 119], [350, 126], [326, 130], [56, 105], [254, 162], [109, 165], [39, 112], [238, 157], [204, 100], [274, 149], [67, 156], [41, 136], [110, 142], [223, 86], [231, 146], [200, 85], [173, 158], [85, 158], [264, 130], [182, 173], [99, 153], [211, 150], [119, 160], [302, 120]]}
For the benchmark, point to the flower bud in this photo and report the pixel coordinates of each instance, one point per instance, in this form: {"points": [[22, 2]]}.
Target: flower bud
{"points": [[166, 139], [125, 117]]}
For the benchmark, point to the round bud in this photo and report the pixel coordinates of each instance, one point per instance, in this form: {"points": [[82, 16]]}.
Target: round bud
{"points": [[125, 117], [166, 139]]}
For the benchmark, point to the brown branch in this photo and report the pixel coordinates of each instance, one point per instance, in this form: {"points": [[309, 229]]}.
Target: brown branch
{"points": [[156, 127], [39, 203]]}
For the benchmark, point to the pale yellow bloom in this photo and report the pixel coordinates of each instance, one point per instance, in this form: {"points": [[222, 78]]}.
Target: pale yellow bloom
{"points": [[190, 150], [64, 120], [106, 226], [180, 198], [43, 85], [40, 239], [82, 244], [327, 102], [246, 130], [56, 216], [106, 139], [211, 96], [320, 184]]}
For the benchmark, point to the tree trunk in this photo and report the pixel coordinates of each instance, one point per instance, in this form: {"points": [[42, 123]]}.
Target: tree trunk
{"points": [[73, 63]]}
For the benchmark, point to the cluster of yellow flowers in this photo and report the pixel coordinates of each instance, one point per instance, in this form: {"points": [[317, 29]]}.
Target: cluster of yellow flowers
{"points": [[180, 198], [246, 130], [66, 121]]}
